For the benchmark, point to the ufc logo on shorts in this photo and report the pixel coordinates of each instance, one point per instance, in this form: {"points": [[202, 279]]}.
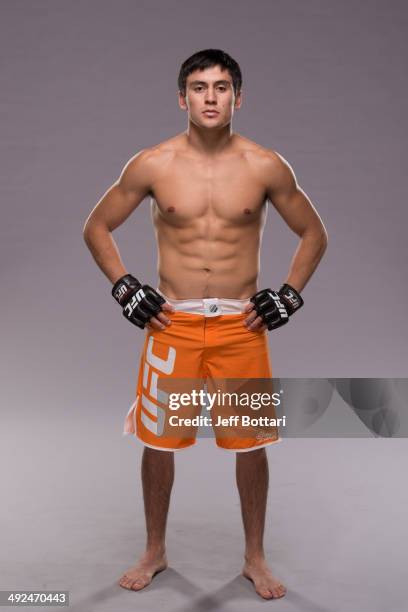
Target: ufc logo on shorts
{"points": [[153, 366], [136, 299]]}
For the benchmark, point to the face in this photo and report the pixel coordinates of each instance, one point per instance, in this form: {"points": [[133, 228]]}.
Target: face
{"points": [[210, 99]]}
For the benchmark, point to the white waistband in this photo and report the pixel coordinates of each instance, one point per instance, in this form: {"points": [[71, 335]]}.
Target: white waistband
{"points": [[209, 307]]}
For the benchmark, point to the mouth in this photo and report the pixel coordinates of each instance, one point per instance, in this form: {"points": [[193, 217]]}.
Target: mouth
{"points": [[211, 113]]}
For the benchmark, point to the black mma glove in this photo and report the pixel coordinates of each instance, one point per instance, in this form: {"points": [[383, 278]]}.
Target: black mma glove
{"points": [[274, 308], [291, 298], [140, 302]]}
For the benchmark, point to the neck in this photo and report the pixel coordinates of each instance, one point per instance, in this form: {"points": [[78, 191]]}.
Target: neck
{"points": [[209, 141]]}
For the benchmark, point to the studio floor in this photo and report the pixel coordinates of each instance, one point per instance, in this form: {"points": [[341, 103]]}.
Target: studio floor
{"points": [[72, 519]]}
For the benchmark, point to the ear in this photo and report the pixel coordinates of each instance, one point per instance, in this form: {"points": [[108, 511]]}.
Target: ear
{"points": [[182, 100], [238, 100]]}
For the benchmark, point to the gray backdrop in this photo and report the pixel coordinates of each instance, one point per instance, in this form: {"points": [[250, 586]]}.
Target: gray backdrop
{"points": [[87, 84]]}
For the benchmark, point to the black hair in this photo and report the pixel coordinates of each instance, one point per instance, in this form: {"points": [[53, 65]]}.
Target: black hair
{"points": [[207, 58]]}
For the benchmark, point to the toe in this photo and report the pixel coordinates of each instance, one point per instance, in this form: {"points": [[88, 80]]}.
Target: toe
{"points": [[265, 593], [279, 591], [138, 584]]}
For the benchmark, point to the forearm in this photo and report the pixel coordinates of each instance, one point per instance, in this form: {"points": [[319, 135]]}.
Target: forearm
{"points": [[106, 254], [307, 256]]}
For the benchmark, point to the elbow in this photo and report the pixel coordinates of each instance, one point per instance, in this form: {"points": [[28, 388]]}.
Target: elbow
{"points": [[321, 244], [324, 240], [317, 236], [90, 229], [318, 240], [87, 227], [86, 232], [321, 237]]}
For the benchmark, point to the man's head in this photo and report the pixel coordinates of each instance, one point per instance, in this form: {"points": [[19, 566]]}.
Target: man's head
{"points": [[210, 80]]}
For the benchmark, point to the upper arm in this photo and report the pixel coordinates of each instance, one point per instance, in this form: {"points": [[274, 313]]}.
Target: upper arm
{"points": [[121, 199], [288, 198]]}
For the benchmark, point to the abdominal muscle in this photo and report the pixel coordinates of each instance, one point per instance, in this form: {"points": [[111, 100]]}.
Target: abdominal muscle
{"points": [[194, 263]]}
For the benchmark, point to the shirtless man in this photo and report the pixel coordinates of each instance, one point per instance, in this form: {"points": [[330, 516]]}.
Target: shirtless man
{"points": [[209, 189]]}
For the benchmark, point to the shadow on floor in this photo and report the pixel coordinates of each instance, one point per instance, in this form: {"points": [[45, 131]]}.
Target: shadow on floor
{"points": [[239, 589]]}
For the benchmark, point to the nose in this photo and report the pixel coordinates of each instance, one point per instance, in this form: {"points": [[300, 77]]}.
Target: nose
{"points": [[210, 95]]}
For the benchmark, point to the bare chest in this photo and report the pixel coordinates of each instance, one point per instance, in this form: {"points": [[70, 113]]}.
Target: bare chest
{"points": [[229, 190]]}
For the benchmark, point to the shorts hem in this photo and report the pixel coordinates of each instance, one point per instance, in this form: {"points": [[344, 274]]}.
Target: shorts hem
{"points": [[245, 450], [162, 448]]}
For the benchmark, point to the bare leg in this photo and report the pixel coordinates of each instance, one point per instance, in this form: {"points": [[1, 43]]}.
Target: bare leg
{"points": [[157, 481], [252, 479]]}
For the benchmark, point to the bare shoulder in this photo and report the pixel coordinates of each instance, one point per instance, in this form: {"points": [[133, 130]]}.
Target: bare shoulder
{"points": [[149, 162], [266, 162], [148, 158]]}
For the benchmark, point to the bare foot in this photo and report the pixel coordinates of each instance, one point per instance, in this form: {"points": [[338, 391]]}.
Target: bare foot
{"points": [[141, 574], [266, 585]]}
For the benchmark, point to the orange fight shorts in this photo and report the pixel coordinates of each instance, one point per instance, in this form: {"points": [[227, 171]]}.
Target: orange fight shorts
{"points": [[208, 342]]}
